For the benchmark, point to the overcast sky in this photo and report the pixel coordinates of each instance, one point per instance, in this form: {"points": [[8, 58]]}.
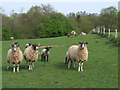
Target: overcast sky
{"points": [[90, 6]]}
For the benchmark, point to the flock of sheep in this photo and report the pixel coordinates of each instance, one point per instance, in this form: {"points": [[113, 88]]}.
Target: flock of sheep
{"points": [[74, 33], [74, 53]]}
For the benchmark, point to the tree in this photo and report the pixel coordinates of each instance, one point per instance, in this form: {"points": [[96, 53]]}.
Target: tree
{"points": [[109, 17], [6, 33]]}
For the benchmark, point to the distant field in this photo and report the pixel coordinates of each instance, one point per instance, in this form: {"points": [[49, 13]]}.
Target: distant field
{"points": [[100, 71]]}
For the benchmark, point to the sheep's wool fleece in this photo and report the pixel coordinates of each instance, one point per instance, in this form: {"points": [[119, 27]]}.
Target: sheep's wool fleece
{"points": [[76, 53], [45, 53], [31, 54], [15, 56]]}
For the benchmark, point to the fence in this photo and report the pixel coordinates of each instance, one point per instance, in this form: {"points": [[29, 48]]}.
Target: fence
{"points": [[102, 31]]}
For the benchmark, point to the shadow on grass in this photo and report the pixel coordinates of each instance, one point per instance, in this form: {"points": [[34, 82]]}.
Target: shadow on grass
{"points": [[64, 66], [21, 67]]}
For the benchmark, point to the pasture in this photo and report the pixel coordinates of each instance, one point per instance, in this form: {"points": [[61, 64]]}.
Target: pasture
{"points": [[100, 71]]}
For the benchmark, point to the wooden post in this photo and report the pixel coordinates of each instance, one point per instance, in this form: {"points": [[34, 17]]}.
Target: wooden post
{"points": [[115, 33], [108, 33], [101, 29], [98, 30], [104, 31]]}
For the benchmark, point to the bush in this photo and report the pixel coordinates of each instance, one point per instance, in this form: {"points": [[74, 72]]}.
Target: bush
{"points": [[6, 33]]}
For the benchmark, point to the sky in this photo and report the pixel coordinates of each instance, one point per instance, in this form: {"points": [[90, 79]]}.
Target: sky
{"points": [[63, 6]]}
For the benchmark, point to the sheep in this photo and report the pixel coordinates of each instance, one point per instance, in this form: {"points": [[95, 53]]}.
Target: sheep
{"points": [[14, 56], [45, 52], [78, 53], [73, 33], [68, 35], [82, 33], [31, 55], [11, 38]]}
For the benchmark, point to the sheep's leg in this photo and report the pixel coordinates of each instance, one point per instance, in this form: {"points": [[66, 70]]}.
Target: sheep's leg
{"points": [[79, 67], [68, 64], [66, 60], [26, 63], [41, 57], [82, 66], [29, 66], [13, 67], [17, 67], [71, 62], [47, 58], [44, 59], [74, 64], [8, 65], [32, 65]]}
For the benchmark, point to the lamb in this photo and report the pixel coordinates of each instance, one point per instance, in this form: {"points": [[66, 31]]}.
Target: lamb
{"points": [[45, 52], [78, 53], [68, 35], [14, 56], [73, 33], [11, 38], [82, 33], [31, 55]]}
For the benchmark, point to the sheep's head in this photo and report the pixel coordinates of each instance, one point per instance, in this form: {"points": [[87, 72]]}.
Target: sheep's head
{"points": [[48, 47], [28, 44], [83, 44], [15, 46], [35, 46]]}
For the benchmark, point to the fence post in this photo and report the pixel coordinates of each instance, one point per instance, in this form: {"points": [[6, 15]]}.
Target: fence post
{"points": [[98, 30], [108, 33], [101, 29], [115, 33], [104, 31]]}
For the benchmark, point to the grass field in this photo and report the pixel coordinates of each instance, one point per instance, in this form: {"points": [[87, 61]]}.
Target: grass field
{"points": [[100, 71]]}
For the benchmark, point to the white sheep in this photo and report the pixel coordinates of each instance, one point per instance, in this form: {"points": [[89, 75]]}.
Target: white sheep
{"points": [[73, 33], [11, 38], [82, 33], [14, 56], [45, 52], [78, 53], [31, 55]]}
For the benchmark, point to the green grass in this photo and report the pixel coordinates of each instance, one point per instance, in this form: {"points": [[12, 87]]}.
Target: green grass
{"points": [[100, 71]]}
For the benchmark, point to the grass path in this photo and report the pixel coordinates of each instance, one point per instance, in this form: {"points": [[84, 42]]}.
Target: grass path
{"points": [[100, 71]]}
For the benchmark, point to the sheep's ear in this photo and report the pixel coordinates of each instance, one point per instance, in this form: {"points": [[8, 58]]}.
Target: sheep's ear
{"points": [[86, 42], [18, 45], [29, 43], [50, 47], [11, 45], [79, 42]]}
